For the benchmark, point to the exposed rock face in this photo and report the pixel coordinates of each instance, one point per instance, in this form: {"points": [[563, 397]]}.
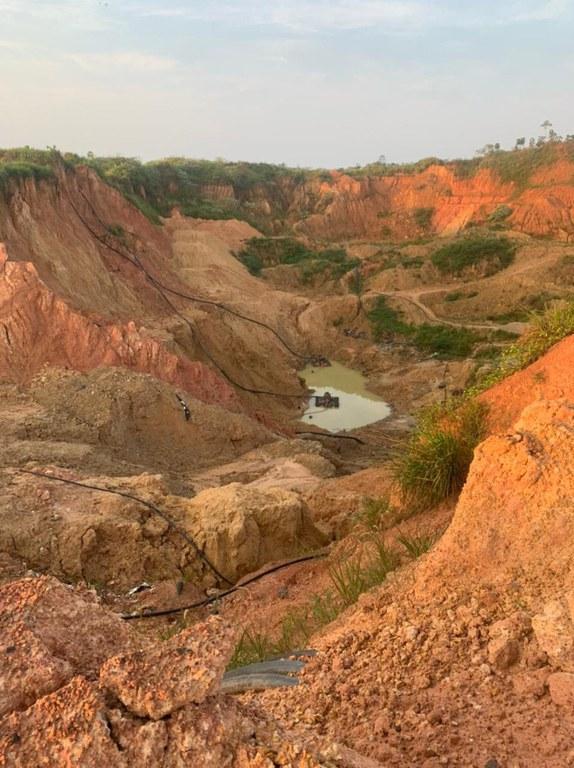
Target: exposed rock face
{"points": [[345, 207], [49, 634], [82, 724], [80, 269], [71, 339], [242, 527], [186, 669], [84, 534]]}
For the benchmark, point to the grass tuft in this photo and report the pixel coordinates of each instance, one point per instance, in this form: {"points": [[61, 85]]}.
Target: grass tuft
{"points": [[417, 545], [434, 463]]}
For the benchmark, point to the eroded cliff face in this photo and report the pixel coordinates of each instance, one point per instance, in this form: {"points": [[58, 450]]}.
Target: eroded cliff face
{"points": [[391, 206], [384, 207], [40, 329], [80, 275]]}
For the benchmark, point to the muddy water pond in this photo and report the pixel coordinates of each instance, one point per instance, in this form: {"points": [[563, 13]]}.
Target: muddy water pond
{"points": [[357, 406]]}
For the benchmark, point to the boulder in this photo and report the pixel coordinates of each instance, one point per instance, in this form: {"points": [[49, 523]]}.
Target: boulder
{"points": [[554, 632], [183, 670], [240, 528], [48, 634]]}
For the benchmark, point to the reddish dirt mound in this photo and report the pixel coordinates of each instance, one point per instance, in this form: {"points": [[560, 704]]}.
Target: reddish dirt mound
{"points": [[468, 656], [549, 378]]}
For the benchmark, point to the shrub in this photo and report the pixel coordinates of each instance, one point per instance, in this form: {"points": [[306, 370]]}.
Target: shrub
{"points": [[252, 261], [10, 171], [423, 217], [261, 252], [547, 328], [443, 340], [500, 214], [495, 253], [458, 295], [446, 341], [434, 463], [386, 321]]}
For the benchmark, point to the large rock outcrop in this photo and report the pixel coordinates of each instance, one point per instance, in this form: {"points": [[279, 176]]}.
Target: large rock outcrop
{"points": [[155, 707], [81, 533], [240, 528]]}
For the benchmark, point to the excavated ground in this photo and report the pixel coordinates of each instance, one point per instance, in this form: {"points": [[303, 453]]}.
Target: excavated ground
{"points": [[461, 658]]}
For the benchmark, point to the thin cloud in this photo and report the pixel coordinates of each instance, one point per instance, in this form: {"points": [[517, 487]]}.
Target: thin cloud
{"points": [[317, 15], [133, 61], [83, 14]]}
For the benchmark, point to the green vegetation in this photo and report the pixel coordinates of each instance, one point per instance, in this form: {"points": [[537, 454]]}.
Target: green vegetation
{"points": [[261, 252], [423, 217], [375, 513], [443, 340], [25, 163], [547, 328], [500, 214], [349, 579], [493, 253], [458, 295], [537, 302], [394, 258], [417, 545], [499, 334], [435, 461]]}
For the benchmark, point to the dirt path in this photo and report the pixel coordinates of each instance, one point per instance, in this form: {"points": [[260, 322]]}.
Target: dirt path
{"points": [[414, 296]]}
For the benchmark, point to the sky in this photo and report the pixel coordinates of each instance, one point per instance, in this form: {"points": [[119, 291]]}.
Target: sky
{"points": [[311, 83]]}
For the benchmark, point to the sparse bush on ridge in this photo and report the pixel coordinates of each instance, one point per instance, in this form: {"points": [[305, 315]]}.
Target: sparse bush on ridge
{"points": [[547, 328], [495, 253], [443, 340], [434, 463], [23, 170]]}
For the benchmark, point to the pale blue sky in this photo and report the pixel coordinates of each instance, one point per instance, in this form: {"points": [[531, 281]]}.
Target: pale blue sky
{"points": [[305, 82]]}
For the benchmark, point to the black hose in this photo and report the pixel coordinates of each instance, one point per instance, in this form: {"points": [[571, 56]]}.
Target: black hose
{"points": [[206, 601], [183, 533], [135, 261]]}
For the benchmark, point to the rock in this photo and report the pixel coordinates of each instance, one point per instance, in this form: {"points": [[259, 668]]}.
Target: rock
{"points": [[561, 687], [503, 652], [241, 528], [530, 684], [504, 645], [49, 633], [65, 728], [183, 670], [554, 632]]}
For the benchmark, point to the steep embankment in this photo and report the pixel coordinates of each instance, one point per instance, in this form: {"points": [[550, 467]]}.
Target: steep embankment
{"points": [[435, 201], [467, 656], [82, 275], [532, 191]]}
